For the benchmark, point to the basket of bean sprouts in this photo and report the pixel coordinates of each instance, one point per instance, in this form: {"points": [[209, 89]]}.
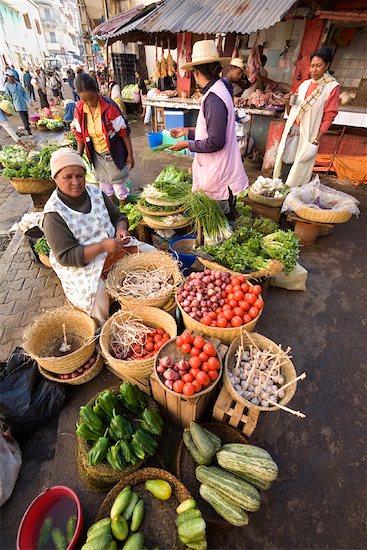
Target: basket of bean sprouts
{"points": [[128, 329], [260, 374], [148, 279]]}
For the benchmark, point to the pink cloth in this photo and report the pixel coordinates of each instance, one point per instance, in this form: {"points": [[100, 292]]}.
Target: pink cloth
{"points": [[215, 172], [331, 106]]}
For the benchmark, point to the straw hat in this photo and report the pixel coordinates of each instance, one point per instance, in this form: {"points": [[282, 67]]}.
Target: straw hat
{"points": [[238, 62], [7, 107], [204, 51]]}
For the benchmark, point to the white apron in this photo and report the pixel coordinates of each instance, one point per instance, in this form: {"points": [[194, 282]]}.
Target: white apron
{"points": [[80, 283], [301, 172]]}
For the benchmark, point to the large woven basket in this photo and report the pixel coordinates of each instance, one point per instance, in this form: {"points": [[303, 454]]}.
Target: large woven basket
{"points": [[267, 201], [35, 186], [160, 213], [150, 316], [82, 379], [47, 330], [155, 223], [159, 515], [323, 216], [143, 262], [102, 477], [287, 370], [274, 268]]}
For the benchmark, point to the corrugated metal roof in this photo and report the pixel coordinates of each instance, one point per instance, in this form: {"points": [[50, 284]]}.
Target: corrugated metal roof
{"points": [[211, 16], [118, 21]]}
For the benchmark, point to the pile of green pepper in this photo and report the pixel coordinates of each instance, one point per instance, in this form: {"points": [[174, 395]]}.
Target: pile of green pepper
{"points": [[109, 424]]}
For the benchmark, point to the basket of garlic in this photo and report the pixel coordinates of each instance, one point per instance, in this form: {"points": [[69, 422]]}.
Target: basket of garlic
{"points": [[260, 374], [268, 191]]}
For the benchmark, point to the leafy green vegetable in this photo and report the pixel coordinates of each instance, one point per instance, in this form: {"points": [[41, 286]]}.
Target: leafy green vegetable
{"points": [[283, 246], [206, 212], [262, 225], [41, 246], [133, 215], [32, 165], [155, 208], [13, 156]]}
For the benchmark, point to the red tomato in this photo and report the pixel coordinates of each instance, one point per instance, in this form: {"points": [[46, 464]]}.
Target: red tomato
{"points": [[236, 288], [179, 341], [160, 331], [228, 314], [213, 375], [187, 378], [205, 320], [233, 303], [203, 378], [259, 303], [213, 324], [235, 281], [158, 345], [185, 348], [222, 322], [218, 310], [188, 389], [149, 346], [186, 338], [194, 362], [250, 298], [209, 349], [197, 385], [195, 351], [247, 319], [230, 296], [203, 357], [178, 386], [213, 363], [226, 306], [194, 372], [212, 315], [229, 289], [253, 312], [236, 321], [238, 295], [157, 337], [245, 288], [165, 337], [205, 367], [238, 311], [199, 341], [256, 289], [241, 278], [245, 306]]}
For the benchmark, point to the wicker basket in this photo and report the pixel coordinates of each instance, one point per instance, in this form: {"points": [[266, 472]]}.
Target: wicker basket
{"points": [[161, 213], [274, 268], [323, 216], [152, 317], [45, 260], [268, 201], [156, 224], [287, 370], [159, 515], [162, 202], [138, 262], [34, 186], [173, 352], [82, 379], [47, 329], [102, 477]]}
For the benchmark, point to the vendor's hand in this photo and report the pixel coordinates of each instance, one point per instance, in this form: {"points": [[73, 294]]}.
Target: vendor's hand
{"points": [[123, 234], [179, 132], [179, 145], [113, 245], [130, 162]]}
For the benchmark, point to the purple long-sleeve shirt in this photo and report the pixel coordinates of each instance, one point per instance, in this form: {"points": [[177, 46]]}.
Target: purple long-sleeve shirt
{"points": [[216, 116]]}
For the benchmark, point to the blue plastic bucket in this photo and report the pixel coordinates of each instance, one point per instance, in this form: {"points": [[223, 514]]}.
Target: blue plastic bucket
{"points": [[180, 251], [155, 138]]}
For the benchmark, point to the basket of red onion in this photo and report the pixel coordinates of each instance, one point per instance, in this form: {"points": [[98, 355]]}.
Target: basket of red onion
{"points": [[219, 304], [188, 366], [82, 375]]}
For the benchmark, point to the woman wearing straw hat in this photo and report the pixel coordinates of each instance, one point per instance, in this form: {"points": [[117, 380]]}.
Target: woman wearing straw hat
{"points": [[7, 110], [217, 168]]}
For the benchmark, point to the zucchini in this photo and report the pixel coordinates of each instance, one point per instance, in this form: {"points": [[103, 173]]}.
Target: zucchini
{"points": [[246, 450], [233, 487], [258, 483], [187, 516], [187, 504], [260, 467], [224, 506], [215, 439], [134, 542], [196, 455], [202, 441], [192, 530]]}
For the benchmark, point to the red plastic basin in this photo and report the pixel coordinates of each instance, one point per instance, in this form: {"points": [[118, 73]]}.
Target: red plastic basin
{"points": [[37, 512]]}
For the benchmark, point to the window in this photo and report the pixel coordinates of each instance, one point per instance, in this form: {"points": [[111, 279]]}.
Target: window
{"points": [[52, 36], [27, 21], [38, 26], [48, 14]]}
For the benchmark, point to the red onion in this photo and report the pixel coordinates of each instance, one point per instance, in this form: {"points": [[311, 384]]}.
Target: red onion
{"points": [[210, 285], [187, 310], [169, 374], [165, 362], [195, 303], [185, 294], [161, 369], [169, 384], [206, 280], [214, 299]]}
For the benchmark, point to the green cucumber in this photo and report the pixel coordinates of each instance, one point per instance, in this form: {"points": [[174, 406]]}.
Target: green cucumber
{"points": [[59, 540], [121, 502], [134, 542], [187, 516], [70, 528], [44, 534], [187, 504], [192, 530], [129, 510], [138, 515], [98, 543], [120, 528], [102, 527]]}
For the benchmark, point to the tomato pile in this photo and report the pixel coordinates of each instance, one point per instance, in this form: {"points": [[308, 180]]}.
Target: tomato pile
{"points": [[153, 341], [191, 375], [218, 299]]}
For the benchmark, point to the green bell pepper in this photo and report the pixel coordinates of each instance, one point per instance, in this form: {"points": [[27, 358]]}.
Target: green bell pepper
{"points": [[132, 397], [152, 422], [108, 402], [82, 430], [91, 419], [120, 427], [99, 450]]}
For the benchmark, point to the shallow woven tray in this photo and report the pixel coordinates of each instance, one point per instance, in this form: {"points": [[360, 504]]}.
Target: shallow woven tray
{"points": [[158, 525], [26, 186], [268, 201], [155, 224], [162, 202], [287, 370], [323, 216], [82, 379], [186, 466], [147, 261], [275, 267], [45, 260], [48, 327], [152, 317], [143, 210], [102, 477], [173, 352]]}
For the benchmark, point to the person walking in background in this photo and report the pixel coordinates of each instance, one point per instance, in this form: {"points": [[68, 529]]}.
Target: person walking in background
{"points": [[69, 112], [114, 92], [41, 84], [15, 73], [7, 110], [20, 99], [142, 89], [59, 80], [54, 87], [27, 78], [71, 81]]}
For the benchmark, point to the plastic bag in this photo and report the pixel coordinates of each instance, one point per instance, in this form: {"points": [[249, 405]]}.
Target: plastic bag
{"points": [[319, 197], [296, 280], [11, 462], [27, 399]]}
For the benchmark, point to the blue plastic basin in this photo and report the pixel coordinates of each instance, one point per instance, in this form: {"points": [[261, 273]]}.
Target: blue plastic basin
{"points": [[155, 139], [179, 250]]}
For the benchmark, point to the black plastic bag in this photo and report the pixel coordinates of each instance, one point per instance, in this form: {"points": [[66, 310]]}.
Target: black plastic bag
{"points": [[27, 399]]}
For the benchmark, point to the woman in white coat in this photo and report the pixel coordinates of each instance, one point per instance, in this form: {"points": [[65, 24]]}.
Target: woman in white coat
{"points": [[309, 119]]}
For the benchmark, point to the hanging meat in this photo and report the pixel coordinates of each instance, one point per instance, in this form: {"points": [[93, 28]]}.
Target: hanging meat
{"points": [[253, 63], [236, 47], [163, 71], [171, 65], [182, 58], [157, 67]]}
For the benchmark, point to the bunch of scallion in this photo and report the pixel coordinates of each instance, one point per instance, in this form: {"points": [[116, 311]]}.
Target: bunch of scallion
{"points": [[206, 212]]}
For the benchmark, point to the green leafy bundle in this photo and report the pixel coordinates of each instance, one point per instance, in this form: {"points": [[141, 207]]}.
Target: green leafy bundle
{"points": [[41, 246], [133, 214], [32, 165]]}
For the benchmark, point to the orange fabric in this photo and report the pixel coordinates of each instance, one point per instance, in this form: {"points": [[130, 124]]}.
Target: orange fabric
{"points": [[353, 168]]}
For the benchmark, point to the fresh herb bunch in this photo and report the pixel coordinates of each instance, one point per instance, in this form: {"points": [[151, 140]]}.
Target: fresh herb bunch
{"points": [[207, 213], [41, 246], [265, 226]]}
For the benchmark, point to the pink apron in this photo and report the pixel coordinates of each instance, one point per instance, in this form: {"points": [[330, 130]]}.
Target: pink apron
{"points": [[215, 172]]}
